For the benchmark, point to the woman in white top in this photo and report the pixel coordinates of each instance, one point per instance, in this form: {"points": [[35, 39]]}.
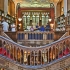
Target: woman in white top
{"points": [[13, 27]]}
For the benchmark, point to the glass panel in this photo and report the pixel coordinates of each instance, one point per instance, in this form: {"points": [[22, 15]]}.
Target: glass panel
{"points": [[28, 19], [24, 21], [43, 20], [37, 19], [33, 19], [47, 19]]}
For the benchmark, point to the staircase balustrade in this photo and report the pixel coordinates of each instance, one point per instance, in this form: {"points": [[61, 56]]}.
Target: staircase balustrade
{"points": [[45, 37], [66, 34], [35, 56]]}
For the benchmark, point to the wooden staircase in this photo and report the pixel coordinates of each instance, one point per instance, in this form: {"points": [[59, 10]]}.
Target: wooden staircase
{"points": [[53, 56]]}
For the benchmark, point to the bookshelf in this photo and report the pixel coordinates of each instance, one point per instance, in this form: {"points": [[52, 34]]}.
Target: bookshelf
{"points": [[68, 17], [60, 23], [9, 18], [68, 21]]}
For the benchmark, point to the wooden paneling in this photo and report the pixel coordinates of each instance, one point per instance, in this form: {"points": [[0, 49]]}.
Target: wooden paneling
{"points": [[62, 5], [58, 34], [2, 4], [11, 8], [59, 11], [68, 3], [12, 35]]}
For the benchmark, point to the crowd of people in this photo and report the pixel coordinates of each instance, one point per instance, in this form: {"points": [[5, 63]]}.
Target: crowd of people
{"points": [[41, 28], [12, 27]]}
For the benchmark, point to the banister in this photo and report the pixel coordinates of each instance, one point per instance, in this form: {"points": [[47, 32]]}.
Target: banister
{"points": [[66, 34], [34, 56], [39, 66], [45, 37], [5, 35], [45, 46]]}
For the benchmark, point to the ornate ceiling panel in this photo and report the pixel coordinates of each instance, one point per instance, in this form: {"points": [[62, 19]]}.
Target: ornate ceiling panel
{"points": [[35, 3]]}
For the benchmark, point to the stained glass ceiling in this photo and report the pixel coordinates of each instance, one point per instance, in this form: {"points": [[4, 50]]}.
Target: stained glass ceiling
{"points": [[35, 3]]}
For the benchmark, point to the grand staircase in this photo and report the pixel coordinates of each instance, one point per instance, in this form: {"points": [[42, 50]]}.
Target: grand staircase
{"points": [[53, 56]]}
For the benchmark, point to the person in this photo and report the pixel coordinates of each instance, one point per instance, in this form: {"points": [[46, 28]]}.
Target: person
{"points": [[13, 27], [42, 28], [37, 26], [5, 25], [32, 29], [9, 27], [48, 28]]}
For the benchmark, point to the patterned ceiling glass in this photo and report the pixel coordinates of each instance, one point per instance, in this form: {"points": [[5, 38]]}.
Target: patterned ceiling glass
{"points": [[35, 3]]}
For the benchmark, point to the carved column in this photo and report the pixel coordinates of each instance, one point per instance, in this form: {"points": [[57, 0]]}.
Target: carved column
{"points": [[41, 58], [34, 58], [55, 24], [48, 56], [5, 7], [65, 12], [30, 58]]}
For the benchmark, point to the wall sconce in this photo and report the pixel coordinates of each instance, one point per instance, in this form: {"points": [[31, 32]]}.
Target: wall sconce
{"points": [[19, 19], [50, 19]]}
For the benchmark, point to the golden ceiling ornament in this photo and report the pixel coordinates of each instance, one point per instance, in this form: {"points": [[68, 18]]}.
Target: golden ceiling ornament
{"points": [[35, 3]]}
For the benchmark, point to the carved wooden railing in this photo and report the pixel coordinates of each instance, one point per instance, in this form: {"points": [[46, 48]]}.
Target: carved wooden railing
{"points": [[5, 35], [60, 64], [66, 34], [35, 36], [35, 56]]}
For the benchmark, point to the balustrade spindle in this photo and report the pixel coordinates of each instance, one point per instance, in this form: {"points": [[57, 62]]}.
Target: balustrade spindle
{"points": [[65, 46], [20, 56], [55, 52], [41, 58], [30, 58], [23, 56], [62, 49], [58, 51], [51, 53], [37, 58], [48, 55], [15, 54], [34, 58]]}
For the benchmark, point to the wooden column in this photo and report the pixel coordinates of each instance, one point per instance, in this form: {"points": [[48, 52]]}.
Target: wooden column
{"points": [[5, 7], [1, 28], [65, 23], [2, 5]]}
